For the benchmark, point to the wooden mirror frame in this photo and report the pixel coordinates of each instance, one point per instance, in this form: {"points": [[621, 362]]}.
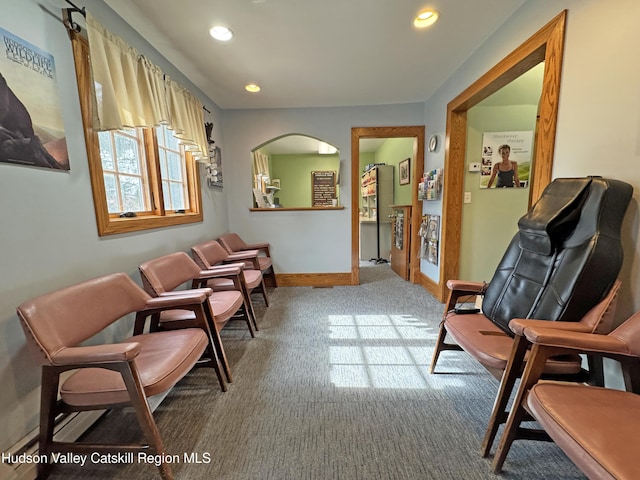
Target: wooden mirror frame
{"points": [[547, 46]]}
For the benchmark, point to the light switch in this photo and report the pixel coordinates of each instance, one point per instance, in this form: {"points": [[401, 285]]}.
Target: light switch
{"points": [[467, 197]]}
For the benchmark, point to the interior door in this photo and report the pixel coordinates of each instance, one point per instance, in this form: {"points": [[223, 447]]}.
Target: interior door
{"points": [[400, 238]]}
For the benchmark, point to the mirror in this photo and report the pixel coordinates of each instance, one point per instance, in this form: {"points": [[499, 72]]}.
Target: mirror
{"points": [[490, 218], [296, 171], [544, 46]]}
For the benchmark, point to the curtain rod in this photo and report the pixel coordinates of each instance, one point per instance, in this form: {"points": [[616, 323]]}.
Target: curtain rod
{"points": [[74, 25]]}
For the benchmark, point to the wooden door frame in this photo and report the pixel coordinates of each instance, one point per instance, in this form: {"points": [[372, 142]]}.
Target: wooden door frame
{"points": [[547, 46], [418, 134]]}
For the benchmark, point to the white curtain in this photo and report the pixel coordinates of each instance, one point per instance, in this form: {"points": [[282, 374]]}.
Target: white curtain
{"points": [[260, 165], [187, 119], [130, 91]]}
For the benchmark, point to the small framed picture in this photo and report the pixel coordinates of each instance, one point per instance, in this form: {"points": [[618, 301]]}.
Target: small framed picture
{"points": [[405, 175]]}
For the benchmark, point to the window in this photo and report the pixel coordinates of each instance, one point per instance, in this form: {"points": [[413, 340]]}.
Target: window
{"points": [[143, 173], [172, 170], [124, 171]]}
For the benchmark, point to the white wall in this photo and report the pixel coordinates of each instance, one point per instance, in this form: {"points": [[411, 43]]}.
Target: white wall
{"points": [[598, 126], [302, 241], [48, 235]]}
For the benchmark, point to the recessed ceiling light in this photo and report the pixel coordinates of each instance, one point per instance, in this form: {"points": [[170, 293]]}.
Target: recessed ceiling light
{"points": [[219, 32], [252, 87], [426, 18]]}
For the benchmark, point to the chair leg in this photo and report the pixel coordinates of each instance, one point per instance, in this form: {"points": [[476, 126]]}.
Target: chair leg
{"points": [[511, 373], [263, 290], [440, 342], [48, 400], [217, 342], [631, 373], [145, 417], [532, 373], [439, 347], [596, 370], [222, 355], [249, 314], [442, 345], [211, 331], [272, 277]]}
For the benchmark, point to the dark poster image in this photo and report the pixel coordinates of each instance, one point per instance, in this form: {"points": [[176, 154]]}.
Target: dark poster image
{"points": [[31, 128]]}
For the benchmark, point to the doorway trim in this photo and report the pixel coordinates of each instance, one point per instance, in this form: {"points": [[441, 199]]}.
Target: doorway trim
{"points": [[416, 132], [546, 45]]}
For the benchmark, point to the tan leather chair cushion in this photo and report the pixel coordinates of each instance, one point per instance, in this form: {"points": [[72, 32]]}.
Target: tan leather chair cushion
{"points": [[164, 359], [596, 427], [487, 343], [252, 278], [224, 304], [481, 338]]}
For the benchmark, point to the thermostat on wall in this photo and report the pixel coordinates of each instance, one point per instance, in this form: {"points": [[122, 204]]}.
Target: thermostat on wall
{"points": [[474, 167]]}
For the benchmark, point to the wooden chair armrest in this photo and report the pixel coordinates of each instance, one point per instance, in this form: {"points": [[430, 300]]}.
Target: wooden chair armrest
{"points": [[96, 354], [517, 325], [577, 342], [264, 247], [220, 272], [243, 255], [181, 298], [464, 286]]}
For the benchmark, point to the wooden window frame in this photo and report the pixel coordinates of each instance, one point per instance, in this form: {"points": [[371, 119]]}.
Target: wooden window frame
{"points": [[109, 224], [143, 175]]}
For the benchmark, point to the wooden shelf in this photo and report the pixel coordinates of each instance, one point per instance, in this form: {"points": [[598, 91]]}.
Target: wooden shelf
{"points": [[296, 209]]}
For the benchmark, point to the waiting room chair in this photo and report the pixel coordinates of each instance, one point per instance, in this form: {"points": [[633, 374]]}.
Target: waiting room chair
{"points": [[596, 427], [599, 320], [233, 243], [211, 256], [563, 260], [163, 275], [111, 375], [562, 263]]}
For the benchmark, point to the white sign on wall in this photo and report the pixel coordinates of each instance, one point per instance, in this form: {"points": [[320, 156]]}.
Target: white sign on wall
{"points": [[506, 159]]}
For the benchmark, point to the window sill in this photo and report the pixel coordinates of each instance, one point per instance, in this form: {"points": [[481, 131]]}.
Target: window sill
{"points": [[295, 209], [114, 226]]}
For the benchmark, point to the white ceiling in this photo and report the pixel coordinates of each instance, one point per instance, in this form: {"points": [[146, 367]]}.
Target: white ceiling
{"points": [[312, 53]]}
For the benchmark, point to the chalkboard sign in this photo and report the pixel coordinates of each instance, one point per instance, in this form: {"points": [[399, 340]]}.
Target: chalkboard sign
{"points": [[323, 188]]}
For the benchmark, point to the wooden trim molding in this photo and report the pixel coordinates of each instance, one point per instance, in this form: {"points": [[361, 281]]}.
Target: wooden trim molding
{"points": [[429, 285], [547, 46], [418, 133], [295, 209], [313, 279]]}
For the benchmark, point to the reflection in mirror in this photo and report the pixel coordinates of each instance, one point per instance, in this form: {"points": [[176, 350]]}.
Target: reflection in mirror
{"points": [[295, 171], [512, 111], [499, 152]]}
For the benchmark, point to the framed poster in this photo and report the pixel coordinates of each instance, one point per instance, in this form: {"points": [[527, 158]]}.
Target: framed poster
{"points": [[433, 238], [31, 127], [405, 171], [506, 159], [214, 168]]}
